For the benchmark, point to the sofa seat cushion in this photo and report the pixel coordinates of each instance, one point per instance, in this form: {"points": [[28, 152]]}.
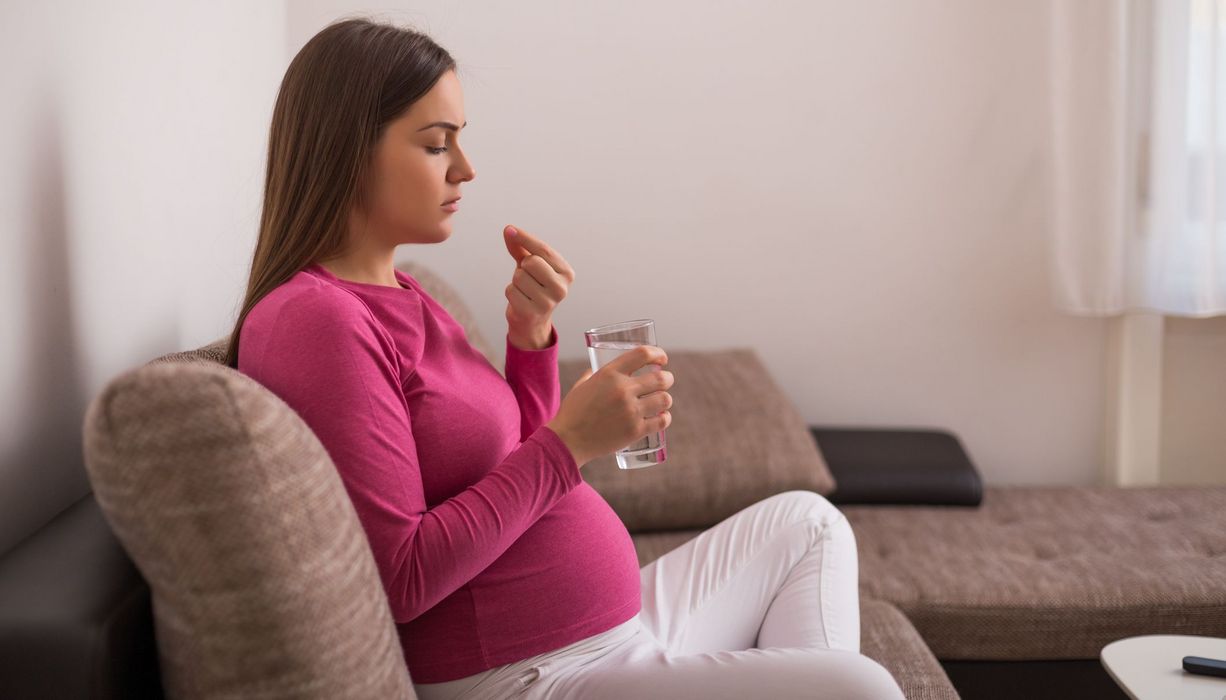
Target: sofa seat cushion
{"points": [[650, 546], [1049, 572], [886, 636]]}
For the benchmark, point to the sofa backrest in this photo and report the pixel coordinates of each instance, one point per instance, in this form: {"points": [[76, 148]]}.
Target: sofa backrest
{"points": [[230, 507], [228, 504]]}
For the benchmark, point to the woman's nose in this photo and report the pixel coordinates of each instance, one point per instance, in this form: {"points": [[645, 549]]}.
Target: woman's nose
{"points": [[466, 171], [465, 167]]}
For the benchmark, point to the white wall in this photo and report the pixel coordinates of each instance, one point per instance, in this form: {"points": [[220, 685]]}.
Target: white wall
{"points": [[857, 190], [132, 143]]}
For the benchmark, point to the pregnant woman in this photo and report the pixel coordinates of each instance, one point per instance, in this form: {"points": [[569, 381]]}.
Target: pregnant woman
{"points": [[505, 572]]}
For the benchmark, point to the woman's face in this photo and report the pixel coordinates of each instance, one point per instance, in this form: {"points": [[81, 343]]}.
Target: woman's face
{"points": [[418, 165]]}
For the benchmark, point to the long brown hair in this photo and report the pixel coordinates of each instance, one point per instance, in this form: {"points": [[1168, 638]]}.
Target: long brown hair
{"points": [[338, 95]]}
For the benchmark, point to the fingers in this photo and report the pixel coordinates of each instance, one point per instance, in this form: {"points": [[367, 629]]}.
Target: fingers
{"points": [[525, 241], [527, 285], [654, 398], [538, 280], [654, 381], [519, 301], [659, 422], [656, 402], [649, 387], [633, 360]]}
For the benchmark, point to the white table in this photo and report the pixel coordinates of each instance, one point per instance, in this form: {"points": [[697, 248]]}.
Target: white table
{"points": [[1151, 667]]}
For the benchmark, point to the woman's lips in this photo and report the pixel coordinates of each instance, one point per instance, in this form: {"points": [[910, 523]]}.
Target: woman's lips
{"points": [[451, 207]]}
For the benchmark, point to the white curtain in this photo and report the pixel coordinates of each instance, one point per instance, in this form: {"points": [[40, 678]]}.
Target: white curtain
{"points": [[1138, 113]]}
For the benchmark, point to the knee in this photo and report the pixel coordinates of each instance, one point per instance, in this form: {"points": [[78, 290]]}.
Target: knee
{"points": [[809, 501], [862, 678], [809, 506]]}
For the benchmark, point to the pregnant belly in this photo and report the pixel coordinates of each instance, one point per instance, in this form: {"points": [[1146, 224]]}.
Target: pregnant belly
{"points": [[575, 563]]}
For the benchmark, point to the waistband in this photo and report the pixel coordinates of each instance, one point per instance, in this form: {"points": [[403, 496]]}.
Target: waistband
{"points": [[456, 688]]}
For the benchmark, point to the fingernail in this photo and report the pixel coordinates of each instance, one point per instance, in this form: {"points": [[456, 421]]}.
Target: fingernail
{"points": [[513, 230]]}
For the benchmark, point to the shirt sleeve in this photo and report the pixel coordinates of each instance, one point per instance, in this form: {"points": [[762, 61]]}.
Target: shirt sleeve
{"points": [[334, 364], [533, 376]]}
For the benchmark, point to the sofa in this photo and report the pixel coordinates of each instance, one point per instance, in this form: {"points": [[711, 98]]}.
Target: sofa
{"points": [[214, 509]]}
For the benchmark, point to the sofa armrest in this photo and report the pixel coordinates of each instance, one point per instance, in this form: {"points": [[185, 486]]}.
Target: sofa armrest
{"points": [[905, 467], [75, 614]]}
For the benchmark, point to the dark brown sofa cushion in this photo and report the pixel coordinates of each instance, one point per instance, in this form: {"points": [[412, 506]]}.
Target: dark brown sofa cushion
{"points": [[735, 439], [1049, 572]]}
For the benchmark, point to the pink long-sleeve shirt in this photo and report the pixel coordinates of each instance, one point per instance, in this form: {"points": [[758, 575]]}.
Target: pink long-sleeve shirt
{"points": [[490, 545]]}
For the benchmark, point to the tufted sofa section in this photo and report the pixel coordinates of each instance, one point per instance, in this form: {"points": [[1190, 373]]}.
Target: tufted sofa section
{"points": [[1050, 572]]}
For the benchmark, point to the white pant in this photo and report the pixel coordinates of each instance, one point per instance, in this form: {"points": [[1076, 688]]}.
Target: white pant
{"points": [[764, 604]]}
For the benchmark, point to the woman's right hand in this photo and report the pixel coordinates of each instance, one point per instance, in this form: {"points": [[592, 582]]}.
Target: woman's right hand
{"points": [[610, 409]]}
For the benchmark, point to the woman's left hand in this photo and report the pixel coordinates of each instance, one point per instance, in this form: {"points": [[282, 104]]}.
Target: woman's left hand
{"points": [[540, 282]]}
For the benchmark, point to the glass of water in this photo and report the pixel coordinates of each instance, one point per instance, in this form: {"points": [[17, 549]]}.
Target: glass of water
{"points": [[607, 342]]}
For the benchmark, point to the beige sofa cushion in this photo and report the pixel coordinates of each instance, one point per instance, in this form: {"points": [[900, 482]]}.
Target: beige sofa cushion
{"points": [[735, 439], [1049, 572], [263, 582]]}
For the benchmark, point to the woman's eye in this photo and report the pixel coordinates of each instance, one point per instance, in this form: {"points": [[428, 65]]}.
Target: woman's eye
{"points": [[436, 150]]}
